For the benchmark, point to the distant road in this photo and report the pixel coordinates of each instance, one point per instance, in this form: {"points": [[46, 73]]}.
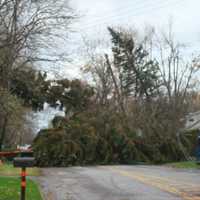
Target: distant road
{"points": [[120, 183]]}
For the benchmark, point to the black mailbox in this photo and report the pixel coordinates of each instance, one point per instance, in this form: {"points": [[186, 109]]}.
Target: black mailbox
{"points": [[24, 162]]}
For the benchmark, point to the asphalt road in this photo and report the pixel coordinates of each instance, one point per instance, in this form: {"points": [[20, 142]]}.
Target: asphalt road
{"points": [[120, 183]]}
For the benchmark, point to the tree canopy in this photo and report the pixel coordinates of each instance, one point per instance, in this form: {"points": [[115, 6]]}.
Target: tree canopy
{"points": [[125, 117]]}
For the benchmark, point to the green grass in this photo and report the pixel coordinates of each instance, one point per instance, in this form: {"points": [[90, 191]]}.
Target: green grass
{"points": [[10, 183], [185, 165], [9, 170], [10, 189]]}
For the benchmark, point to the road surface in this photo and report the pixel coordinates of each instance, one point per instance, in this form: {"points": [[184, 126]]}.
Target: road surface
{"points": [[120, 183]]}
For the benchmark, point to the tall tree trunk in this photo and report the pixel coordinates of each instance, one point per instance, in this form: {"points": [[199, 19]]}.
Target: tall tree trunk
{"points": [[119, 98], [124, 117], [3, 133]]}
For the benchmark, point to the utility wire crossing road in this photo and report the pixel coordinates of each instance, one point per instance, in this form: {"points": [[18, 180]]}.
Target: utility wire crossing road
{"points": [[120, 183]]}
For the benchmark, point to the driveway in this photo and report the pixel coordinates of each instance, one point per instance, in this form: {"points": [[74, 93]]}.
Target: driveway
{"points": [[120, 183]]}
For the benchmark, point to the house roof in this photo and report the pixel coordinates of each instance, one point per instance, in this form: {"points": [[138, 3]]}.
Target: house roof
{"points": [[193, 121]]}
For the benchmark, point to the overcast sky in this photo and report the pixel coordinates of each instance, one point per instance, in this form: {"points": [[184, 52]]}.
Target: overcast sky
{"points": [[98, 14], [138, 13]]}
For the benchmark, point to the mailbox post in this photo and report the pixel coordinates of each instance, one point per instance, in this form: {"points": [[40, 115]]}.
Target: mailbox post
{"points": [[23, 163]]}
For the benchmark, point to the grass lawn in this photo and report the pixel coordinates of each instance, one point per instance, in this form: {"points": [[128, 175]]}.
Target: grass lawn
{"points": [[10, 183], [186, 165], [9, 170], [10, 189]]}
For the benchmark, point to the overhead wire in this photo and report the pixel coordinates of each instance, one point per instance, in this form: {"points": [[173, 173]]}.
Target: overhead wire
{"points": [[138, 11], [128, 15], [129, 8]]}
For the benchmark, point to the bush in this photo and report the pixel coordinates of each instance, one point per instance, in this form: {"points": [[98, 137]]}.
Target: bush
{"points": [[80, 143]]}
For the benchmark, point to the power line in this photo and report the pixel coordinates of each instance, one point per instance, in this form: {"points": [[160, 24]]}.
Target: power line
{"points": [[129, 9], [127, 14], [137, 12], [129, 6]]}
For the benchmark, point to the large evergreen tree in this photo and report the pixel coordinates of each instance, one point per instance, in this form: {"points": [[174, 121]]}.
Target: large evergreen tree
{"points": [[138, 73]]}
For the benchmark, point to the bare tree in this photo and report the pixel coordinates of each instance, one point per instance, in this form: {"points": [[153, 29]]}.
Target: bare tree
{"points": [[176, 72], [178, 82], [29, 30], [12, 119], [159, 119]]}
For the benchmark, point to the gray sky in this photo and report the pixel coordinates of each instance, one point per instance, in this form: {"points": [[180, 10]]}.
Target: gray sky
{"points": [[98, 14], [138, 13]]}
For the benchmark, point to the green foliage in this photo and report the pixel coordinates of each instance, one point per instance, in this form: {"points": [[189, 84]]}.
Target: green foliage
{"points": [[11, 118], [73, 95], [127, 118], [22, 44], [96, 136], [185, 165], [85, 140], [10, 189], [191, 140], [31, 86], [9, 104], [27, 89], [138, 73], [63, 147]]}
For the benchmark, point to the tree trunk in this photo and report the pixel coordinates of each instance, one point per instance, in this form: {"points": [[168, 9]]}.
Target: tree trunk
{"points": [[3, 133]]}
